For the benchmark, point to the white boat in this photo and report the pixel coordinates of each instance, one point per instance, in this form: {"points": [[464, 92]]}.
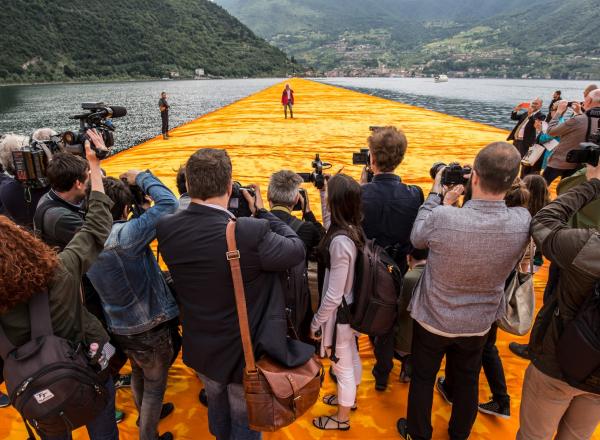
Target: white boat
{"points": [[440, 78]]}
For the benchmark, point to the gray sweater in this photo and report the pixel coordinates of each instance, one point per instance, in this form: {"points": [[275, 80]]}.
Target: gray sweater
{"points": [[472, 251]]}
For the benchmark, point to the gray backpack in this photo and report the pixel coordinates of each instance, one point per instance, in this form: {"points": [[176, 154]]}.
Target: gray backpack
{"points": [[49, 379]]}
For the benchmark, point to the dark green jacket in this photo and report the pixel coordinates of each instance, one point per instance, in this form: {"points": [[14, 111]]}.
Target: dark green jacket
{"points": [[70, 319], [576, 251], [589, 215]]}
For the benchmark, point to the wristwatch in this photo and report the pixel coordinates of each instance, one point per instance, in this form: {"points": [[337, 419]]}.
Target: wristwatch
{"points": [[440, 195]]}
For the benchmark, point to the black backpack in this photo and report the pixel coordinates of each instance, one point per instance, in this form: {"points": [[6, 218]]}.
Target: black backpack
{"points": [[376, 288], [49, 379], [578, 349], [297, 295]]}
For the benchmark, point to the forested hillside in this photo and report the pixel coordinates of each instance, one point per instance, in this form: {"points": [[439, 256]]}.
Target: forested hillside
{"points": [[46, 40], [550, 38]]}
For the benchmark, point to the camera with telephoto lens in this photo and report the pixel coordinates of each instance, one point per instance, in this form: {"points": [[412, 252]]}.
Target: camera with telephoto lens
{"points": [[238, 205], [588, 151], [99, 117], [316, 177], [452, 174]]}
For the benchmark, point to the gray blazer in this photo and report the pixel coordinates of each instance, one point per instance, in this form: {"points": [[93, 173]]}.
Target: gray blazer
{"points": [[472, 251]]}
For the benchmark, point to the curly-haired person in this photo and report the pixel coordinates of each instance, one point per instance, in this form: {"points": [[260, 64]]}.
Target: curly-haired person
{"points": [[28, 267]]}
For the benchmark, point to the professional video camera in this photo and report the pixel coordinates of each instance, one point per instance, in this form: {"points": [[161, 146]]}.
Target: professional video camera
{"points": [[452, 174], [589, 151], [31, 161], [238, 205], [316, 177], [99, 117]]}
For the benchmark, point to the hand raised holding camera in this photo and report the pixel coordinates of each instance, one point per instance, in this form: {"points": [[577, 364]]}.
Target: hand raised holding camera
{"points": [[452, 196], [255, 203]]}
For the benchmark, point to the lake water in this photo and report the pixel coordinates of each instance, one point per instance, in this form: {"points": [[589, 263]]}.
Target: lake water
{"points": [[25, 108]]}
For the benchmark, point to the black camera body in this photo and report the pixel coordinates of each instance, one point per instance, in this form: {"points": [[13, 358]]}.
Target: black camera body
{"points": [[238, 205], [138, 198], [452, 174], [316, 177], [589, 151], [99, 117], [363, 157], [304, 196]]}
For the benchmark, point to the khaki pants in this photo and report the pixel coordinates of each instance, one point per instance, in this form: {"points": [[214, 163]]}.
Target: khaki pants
{"points": [[549, 405]]}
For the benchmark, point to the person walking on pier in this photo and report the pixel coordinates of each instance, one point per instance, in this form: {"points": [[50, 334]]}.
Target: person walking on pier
{"points": [[163, 105], [287, 99]]}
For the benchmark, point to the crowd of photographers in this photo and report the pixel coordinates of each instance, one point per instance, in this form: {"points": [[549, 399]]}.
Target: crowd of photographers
{"points": [[76, 254]]}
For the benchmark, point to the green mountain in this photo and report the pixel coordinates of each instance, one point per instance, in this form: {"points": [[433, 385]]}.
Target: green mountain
{"points": [[49, 40], [540, 38]]}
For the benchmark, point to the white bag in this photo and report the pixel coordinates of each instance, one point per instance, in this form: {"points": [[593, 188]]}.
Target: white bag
{"points": [[533, 155]]}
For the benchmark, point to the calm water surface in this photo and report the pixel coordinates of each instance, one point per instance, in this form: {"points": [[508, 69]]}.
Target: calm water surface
{"points": [[25, 108]]}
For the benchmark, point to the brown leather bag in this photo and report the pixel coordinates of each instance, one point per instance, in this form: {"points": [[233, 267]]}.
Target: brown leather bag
{"points": [[275, 395]]}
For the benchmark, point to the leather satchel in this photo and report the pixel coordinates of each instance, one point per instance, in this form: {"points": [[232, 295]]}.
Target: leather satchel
{"points": [[275, 395], [519, 296]]}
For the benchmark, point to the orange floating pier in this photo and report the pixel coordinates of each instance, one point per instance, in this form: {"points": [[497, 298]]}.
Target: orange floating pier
{"points": [[333, 122]]}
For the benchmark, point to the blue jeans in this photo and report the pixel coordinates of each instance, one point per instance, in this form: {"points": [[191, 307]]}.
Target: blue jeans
{"points": [[103, 427], [227, 411]]}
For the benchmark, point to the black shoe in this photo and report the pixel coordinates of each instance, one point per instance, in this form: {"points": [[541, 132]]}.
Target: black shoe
{"points": [[521, 350], [332, 375], [166, 436], [402, 427], [380, 384], [440, 385], [203, 398], [494, 408], [166, 409]]}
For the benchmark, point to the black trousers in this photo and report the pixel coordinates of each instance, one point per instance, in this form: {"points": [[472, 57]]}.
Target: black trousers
{"points": [[383, 347], [164, 116], [464, 354], [492, 367], [550, 174]]}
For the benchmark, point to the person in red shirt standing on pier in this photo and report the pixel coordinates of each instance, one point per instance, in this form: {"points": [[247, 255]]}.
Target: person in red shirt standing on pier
{"points": [[287, 99]]}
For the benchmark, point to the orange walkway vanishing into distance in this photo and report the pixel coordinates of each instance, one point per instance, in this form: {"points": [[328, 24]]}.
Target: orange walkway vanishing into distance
{"points": [[335, 123]]}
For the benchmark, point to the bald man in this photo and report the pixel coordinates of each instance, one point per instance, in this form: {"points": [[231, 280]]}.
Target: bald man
{"points": [[572, 132], [524, 133]]}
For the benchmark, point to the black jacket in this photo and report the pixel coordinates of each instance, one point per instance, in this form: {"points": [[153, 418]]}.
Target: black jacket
{"points": [[529, 135], [390, 208], [311, 232], [193, 245]]}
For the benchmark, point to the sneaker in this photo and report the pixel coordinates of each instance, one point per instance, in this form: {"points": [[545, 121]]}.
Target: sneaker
{"points": [[402, 427], [440, 385], [123, 381], [203, 398], [166, 409], [166, 436], [4, 400], [119, 416], [521, 350], [494, 408]]}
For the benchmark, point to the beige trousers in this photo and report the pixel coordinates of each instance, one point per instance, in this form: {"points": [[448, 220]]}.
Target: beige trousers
{"points": [[549, 405]]}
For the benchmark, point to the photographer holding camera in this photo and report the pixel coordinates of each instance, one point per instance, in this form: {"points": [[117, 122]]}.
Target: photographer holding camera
{"points": [[33, 268], [283, 195], [572, 132], [472, 251], [137, 302], [390, 208], [18, 200], [561, 390]]}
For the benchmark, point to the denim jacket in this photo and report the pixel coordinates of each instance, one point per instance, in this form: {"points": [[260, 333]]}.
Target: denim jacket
{"points": [[134, 294]]}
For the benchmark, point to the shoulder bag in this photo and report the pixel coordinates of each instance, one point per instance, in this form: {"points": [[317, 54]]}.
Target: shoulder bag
{"points": [[520, 300], [275, 395]]}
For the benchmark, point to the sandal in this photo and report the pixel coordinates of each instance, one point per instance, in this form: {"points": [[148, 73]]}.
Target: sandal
{"points": [[331, 399], [323, 423]]}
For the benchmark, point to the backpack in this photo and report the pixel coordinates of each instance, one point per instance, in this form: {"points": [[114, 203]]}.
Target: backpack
{"points": [[377, 286], [49, 379], [578, 349], [297, 295]]}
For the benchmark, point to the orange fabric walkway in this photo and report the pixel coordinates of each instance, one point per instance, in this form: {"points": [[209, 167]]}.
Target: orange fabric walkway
{"points": [[333, 122]]}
